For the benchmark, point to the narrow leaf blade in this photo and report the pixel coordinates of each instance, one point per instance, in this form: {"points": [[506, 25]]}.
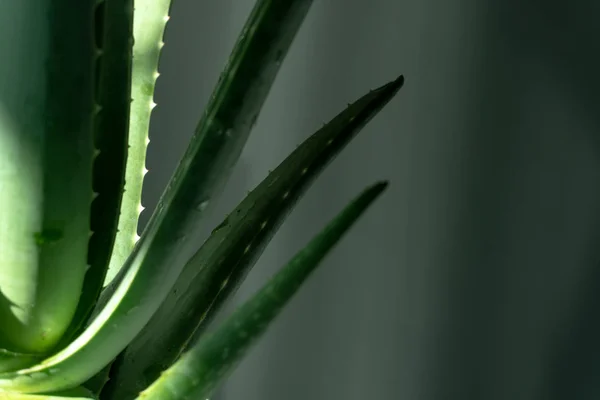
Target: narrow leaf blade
{"points": [[197, 372], [113, 97], [216, 270], [148, 25]]}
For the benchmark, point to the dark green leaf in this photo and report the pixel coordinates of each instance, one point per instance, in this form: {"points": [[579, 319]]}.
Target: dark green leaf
{"points": [[113, 86], [209, 361], [217, 269]]}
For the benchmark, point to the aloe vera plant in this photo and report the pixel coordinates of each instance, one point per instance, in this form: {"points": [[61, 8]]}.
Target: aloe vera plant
{"points": [[89, 310]]}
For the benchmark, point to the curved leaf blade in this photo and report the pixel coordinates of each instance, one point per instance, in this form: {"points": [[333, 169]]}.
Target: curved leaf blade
{"points": [[147, 25], [197, 372], [213, 274], [113, 97], [46, 155]]}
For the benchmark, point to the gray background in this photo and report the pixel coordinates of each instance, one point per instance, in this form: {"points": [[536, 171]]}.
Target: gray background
{"points": [[475, 276]]}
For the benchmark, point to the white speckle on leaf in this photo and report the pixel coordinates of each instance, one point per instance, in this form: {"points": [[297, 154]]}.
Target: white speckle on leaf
{"points": [[202, 205], [131, 310]]}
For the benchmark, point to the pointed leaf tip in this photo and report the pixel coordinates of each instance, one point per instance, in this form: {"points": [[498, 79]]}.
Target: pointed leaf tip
{"points": [[394, 86], [399, 80], [380, 186]]}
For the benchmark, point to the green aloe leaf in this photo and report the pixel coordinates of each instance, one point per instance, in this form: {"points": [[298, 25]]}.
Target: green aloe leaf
{"points": [[78, 393], [46, 156], [148, 25], [153, 267], [113, 96], [216, 270], [208, 362]]}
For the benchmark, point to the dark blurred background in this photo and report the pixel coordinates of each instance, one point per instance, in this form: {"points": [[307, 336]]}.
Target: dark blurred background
{"points": [[476, 276]]}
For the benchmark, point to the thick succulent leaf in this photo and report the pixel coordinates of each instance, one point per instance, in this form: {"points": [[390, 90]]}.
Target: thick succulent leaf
{"points": [[199, 370], [149, 21], [114, 20], [11, 361], [46, 156], [215, 271], [154, 265], [78, 393]]}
